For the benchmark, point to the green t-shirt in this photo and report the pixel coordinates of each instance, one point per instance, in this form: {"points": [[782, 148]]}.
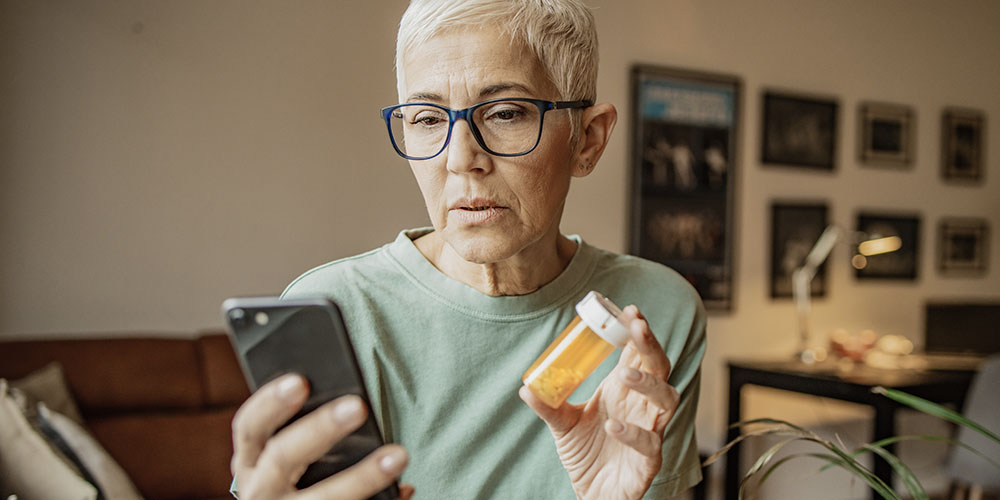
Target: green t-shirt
{"points": [[443, 363]]}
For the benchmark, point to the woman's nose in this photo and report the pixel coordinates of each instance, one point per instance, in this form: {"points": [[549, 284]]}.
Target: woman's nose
{"points": [[463, 152]]}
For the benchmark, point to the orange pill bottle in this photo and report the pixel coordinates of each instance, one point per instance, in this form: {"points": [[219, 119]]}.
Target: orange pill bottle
{"points": [[593, 334]]}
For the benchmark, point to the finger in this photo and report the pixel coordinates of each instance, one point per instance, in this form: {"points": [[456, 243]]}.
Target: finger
{"points": [[646, 442], [291, 450], [558, 419], [650, 351], [362, 480], [406, 491], [658, 392], [262, 413]]}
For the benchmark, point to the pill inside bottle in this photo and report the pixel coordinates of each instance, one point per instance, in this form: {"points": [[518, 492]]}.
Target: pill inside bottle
{"points": [[582, 346]]}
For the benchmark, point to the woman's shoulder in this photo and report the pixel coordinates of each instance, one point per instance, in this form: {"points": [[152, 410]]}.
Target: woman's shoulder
{"points": [[327, 279], [670, 303], [644, 274]]}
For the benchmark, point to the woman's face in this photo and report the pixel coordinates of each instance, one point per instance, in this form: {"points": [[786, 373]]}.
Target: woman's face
{"points": [[488, 208]]}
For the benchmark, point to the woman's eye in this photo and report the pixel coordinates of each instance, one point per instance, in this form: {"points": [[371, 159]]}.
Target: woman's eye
{"points": [[506, 114], [427, 119]]}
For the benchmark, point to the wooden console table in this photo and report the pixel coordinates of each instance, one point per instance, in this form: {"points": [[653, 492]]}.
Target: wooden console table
{"points": [[824, 379]]}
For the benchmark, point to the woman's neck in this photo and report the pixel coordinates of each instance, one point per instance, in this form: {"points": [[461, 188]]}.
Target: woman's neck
{"points": [[520, 274]]}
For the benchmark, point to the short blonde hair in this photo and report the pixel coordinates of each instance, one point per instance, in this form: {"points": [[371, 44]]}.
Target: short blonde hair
{"points": [[561, 33]]}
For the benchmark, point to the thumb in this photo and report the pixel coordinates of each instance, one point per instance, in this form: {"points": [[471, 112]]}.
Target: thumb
{"points": [[559, 420]]}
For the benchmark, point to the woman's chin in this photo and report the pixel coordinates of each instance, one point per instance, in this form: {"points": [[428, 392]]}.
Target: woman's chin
{"points": [[484, 247], [476, 254]]}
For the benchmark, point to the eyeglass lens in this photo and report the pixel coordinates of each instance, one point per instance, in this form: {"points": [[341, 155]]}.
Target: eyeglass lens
{"points": [[506, 127]]}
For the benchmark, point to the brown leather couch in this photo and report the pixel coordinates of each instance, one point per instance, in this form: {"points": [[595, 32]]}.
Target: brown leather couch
{"points": [[160, 406]]}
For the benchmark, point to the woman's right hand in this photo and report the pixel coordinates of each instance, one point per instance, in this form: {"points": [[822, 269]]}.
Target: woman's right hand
{"points": [[267, 464]]}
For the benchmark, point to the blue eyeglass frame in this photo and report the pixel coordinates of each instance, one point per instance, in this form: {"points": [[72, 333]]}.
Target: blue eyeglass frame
{"points": [[463, 114]]}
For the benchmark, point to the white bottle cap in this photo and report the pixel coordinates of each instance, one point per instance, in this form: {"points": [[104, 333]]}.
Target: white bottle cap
{"points": [[601, 315]]}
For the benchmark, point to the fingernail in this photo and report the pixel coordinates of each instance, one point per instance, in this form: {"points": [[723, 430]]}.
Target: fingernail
{"points": [[347, 411], [632, 374], [615, 426], [290, 387], [392, 463]]}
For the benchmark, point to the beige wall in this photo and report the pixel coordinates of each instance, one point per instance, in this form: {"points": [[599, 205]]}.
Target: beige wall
{"points": [[157, 157]]}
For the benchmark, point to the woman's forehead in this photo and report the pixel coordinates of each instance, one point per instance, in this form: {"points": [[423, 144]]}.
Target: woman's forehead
{"points": [[471, 64]]}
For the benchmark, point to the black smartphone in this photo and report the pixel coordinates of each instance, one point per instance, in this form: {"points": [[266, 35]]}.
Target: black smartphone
{"points": [[305, 336]]}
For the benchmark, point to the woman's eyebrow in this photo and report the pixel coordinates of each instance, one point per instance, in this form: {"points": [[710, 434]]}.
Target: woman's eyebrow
{"points": [[424, 96], [485, 93], [491, 90]]}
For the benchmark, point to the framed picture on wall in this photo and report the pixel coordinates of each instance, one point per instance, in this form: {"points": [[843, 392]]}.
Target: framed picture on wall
{"points": [[900, 264], [799, 131], [795, 227], [963, 246], [887, 132], [962, 145], [684, 136]]}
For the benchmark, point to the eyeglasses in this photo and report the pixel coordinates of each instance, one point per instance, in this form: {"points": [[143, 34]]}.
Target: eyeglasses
{"points": [[502, 127]]}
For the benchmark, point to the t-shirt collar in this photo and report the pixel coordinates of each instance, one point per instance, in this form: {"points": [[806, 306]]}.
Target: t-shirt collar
{"points": [[565, 288]]}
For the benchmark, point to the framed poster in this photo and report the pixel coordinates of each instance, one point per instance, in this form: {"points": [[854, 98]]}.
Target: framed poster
{"points": [[684, 133], [799, 131], [795, 227], [887, 132], [901, 264], [963, 246], [962, 145]]}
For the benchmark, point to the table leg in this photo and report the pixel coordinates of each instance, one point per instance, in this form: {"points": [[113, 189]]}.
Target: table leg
{"points": [[885, 426], [732, 486]]}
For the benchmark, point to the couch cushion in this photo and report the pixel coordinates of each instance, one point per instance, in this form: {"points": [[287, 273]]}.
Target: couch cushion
{"points": [[116, 374], [224, 382], [171, 456]]}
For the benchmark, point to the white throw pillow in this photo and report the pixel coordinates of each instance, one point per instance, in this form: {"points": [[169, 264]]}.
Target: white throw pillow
{"points": [[48, 385], [29, 467], [112, 480]]}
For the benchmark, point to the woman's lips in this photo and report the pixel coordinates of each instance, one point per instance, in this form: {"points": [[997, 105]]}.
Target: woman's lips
{"points": [[475, 216]]}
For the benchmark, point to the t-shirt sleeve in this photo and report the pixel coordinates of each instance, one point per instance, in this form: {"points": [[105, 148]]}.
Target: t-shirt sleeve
{"points": [[681, 469]]}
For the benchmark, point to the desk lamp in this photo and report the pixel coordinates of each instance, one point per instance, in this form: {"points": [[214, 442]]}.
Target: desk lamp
{"points": [[803, 276]]}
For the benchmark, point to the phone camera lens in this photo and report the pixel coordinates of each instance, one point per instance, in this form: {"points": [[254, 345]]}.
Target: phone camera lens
{"points": [[238, 317]]}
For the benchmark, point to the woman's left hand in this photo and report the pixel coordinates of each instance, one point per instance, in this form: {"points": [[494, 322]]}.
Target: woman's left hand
{"points": [[611, 445]]}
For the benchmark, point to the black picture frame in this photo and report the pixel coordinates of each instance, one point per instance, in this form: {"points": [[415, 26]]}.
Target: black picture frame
{"points": [[685, 129], [799, 130], [962, 151], [963, 246], [887, 132], [795, 227], [902, 264]]}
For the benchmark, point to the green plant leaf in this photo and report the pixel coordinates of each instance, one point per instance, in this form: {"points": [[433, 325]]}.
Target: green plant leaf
{"points": [[772, 421], [874, 481], [762, 460], [778, 427], [925, 437], [831, 459], [839, 457], [934, 409], [854, 468], [904, 472]]}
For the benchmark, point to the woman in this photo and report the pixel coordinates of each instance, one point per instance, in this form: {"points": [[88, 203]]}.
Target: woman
{"points": [[496, 118]]}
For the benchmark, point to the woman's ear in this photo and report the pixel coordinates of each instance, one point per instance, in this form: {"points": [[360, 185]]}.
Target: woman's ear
{"points": [[596, 124]]}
